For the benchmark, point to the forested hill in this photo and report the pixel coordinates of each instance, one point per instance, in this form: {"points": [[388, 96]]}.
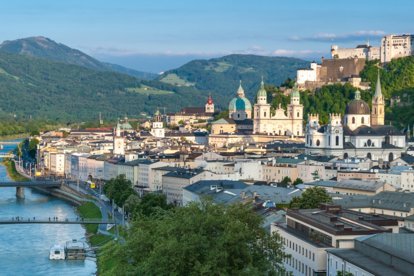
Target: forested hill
{"points": [[397, 82], [38, 88], [221, 76], [43, 47]]}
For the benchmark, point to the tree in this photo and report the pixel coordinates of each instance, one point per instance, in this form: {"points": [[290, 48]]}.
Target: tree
{"points": [[118, 189], [297, 181], [33, 147], [344, 273], [286, 180], [311, 198], [199, 239]]}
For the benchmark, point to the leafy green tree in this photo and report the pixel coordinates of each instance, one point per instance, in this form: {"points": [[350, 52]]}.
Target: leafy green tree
{"points": [[223, 114], [297, 181], [311, 198], [286, 180], [344, 273], [199, 239], [33, 147], [118, 189]]}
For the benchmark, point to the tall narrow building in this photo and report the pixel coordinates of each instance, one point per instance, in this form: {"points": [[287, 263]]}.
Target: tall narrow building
{"points": [[119, 141], [378, 112]]}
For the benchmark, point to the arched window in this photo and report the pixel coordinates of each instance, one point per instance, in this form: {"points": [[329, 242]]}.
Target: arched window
{"points": [[390, 157], [337, 140], [318, 143], [369, 156], [345, 155], [375, 110], [362, 120], [329, 140], [353, 120], [369, 142], [297, 114], [264, 114]]}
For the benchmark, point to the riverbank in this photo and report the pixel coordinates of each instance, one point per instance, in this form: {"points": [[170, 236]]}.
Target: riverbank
{"points": [[89, 210], [12, 171]]}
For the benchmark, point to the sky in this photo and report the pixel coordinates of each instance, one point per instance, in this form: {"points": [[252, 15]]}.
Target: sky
{"points": [[157, 35]]}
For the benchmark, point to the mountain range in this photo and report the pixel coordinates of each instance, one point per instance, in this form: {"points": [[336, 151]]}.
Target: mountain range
{"points": [[41, 78], [43, 47]]}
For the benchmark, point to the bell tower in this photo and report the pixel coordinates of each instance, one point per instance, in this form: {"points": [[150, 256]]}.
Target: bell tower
{"points": [[377, 112]]}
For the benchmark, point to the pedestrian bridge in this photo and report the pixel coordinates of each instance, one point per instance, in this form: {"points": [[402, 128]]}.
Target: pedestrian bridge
{"points": [[54, 220], [32, 184], [20, 185]]}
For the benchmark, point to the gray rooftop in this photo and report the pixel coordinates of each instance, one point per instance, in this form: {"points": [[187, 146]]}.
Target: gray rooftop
{"points": [[394, 254], [352, 184], [396, 201]]}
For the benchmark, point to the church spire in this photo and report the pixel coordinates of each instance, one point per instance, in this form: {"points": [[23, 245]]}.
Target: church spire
{"points": [[378, 92], [378, 105], [240, 91]]}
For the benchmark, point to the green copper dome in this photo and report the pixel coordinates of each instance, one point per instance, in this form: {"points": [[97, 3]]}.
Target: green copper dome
{"points": [[262, 92], [295, 92], [240, 104]]}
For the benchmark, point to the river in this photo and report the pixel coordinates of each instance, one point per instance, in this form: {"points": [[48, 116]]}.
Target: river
{"points": [[24, 248]]}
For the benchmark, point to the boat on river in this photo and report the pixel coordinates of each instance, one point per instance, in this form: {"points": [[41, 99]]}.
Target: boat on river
{"points": [[75, 250], [57, 252]]}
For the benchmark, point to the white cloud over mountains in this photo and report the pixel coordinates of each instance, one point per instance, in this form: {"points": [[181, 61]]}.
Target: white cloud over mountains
{"points": [[348, 37]]}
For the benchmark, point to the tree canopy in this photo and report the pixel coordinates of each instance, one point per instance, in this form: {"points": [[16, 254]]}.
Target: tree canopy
{"points": [[118, 189], [311, 198], [199, 239]]}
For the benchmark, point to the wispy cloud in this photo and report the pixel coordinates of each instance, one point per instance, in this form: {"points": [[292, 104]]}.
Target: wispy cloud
{"points": [[348, 37], [296, 53], [252, 50]]}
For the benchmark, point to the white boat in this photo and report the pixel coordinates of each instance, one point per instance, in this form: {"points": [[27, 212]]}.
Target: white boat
{"points": [[57, 252]]}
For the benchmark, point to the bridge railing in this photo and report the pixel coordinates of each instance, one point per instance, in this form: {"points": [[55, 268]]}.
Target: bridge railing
{"points": [[54, 219]]}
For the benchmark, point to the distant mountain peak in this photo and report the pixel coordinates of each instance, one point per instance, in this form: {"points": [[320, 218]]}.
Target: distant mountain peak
{"points": [[46, 48]]}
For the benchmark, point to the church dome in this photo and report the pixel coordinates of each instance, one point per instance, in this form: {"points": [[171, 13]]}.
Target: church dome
{"points": [[240, 104], [357, 106]]}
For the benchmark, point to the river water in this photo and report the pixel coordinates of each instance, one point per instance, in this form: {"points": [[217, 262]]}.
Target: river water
{"points": [[24, 248]]}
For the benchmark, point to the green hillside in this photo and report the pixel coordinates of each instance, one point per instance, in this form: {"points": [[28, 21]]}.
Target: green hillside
{"points": [[221, 76], [46, 48], [38, 88], [397, 80]]}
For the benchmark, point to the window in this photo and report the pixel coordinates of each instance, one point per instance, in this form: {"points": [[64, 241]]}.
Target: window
{"points": [[337, 140], [353, 120], [318, 142], [264, 114], [362, 120], [297, 114]]}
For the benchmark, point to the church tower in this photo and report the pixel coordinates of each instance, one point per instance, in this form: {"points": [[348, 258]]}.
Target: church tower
{"points": [[261, 111], [158, 126], [295, 112], [119, 141], [209, 107], [377, 112]]}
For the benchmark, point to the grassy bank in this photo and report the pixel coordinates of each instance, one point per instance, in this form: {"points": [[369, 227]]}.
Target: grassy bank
{"points": [[89, 210], [12, 172]]}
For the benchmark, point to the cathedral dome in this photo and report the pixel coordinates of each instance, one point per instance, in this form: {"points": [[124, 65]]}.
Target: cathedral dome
{"points": [[357, 106], [240, 104]]}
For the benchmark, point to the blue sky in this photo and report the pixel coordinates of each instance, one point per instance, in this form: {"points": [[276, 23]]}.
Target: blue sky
{"points": [[156, 35]]}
